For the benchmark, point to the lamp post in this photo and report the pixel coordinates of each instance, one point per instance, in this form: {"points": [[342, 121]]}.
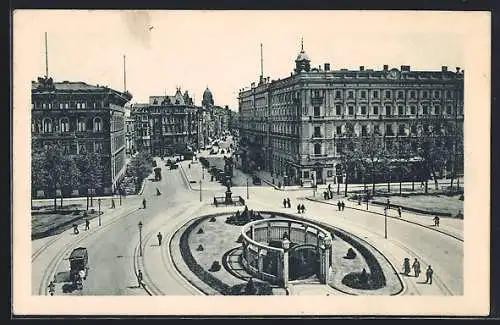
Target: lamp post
{"points": [[140, 238], [385, 223], [99, 211]]}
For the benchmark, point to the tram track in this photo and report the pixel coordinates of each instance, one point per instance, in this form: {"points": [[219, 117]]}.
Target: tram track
{"points": [[150, 286], [50, 270]]}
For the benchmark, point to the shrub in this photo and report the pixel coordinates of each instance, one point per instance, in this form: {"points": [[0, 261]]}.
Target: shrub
{"points": [[200, 248], [215, 267], [461, 198], [200, 231], [212, 219]]}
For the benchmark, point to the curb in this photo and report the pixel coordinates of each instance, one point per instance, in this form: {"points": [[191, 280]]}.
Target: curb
{"points": [[354, 238], [397, 218], [185, 179], [136, 268]]}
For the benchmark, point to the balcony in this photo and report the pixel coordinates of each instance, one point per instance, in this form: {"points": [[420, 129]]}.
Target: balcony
{"points": [[318, 155]]}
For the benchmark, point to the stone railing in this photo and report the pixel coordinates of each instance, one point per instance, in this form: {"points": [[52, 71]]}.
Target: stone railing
{"points": [[270, 263]]}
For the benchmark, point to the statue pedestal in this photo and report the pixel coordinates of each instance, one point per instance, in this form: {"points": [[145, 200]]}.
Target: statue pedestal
{"points": [[229, 200]]}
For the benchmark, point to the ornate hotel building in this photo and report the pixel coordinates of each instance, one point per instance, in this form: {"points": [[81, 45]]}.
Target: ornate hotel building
{"points": [[80, 118], [291, 127], [165, 124]]}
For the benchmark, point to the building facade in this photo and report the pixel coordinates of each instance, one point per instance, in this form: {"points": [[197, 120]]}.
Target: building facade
{"points": [[166, 124], [80, 118], [130, 148], [294, 127]]}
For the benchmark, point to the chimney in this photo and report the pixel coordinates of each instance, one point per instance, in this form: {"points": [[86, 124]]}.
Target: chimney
{"points": [[361, 68], [327, 66], [444, 68], [386, 67]]}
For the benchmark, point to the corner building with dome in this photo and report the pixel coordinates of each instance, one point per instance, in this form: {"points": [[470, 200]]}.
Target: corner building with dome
{"points": [[296, 127]]}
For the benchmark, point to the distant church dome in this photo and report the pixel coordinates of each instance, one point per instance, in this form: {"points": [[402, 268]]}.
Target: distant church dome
{"points": [[208, 99]]}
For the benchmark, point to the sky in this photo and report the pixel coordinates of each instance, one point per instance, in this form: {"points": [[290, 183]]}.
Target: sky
{"points": [[221, 49]]}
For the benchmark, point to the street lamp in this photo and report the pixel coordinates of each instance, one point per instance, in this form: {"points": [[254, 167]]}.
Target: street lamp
{"points": [[247, 188], [385, 223], [140, 238], [99, 211]]}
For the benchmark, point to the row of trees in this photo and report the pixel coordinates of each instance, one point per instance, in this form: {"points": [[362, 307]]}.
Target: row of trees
{"points": [[53, 170], [439, 145]]}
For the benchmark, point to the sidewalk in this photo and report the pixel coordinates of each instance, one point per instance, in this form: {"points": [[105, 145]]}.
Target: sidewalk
{"points": [[449, 226], [394, 251]]}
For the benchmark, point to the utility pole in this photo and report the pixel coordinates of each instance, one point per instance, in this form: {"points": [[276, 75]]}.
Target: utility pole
{"points": [[124, 75], [46, 58]]}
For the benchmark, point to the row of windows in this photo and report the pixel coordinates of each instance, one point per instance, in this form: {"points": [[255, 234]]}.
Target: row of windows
{"points": [[62, 125], [80, 148], [401, 110], [388, 94], [66, 105], [389, 130]]}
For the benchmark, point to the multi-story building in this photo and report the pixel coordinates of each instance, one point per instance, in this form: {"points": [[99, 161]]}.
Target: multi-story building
{"points": [[129, 136], [166, 124], [293, 127], [79, 118]]}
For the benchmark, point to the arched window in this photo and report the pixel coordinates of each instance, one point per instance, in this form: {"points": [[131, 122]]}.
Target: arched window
{"points": [[81, 125], [64, 125], [47, 125], [97, 124]]}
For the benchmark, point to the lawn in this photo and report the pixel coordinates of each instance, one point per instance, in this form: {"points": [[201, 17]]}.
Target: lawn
{"points": [[431, 203]]}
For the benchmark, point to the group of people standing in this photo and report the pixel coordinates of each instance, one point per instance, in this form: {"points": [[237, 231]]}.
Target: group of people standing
{"points": [[341, 205], [416, 269], [287, 204]]}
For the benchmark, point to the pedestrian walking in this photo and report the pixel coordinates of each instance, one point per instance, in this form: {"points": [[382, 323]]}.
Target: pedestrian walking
{"points": [[289, 205], [298, 208], [87, 224], [388, 204], [160, 237], [436, 221], [339, 205], [416, 267], [75, 229], [406, 266], [144, 203], [399, 212], [303, 208], [52, 288], [139, 278], [284, 203], [342, 205], [429, 274]]}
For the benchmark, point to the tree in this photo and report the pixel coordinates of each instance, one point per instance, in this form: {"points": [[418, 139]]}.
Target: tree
{"points": [[350, 153], [71, 176], [39, 175], [140, 167], [373, 153], [56, 166], [432, 149], [91, 172]]}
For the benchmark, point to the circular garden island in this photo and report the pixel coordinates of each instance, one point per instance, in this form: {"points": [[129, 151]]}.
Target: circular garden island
{"points": [[263, 253]]}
